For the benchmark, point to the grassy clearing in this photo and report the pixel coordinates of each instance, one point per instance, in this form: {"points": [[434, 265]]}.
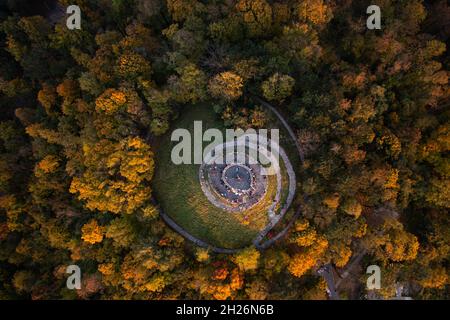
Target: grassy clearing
{"points": [[177, 189]]}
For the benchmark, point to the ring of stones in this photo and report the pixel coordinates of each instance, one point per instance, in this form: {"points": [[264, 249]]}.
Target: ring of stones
{"points": [[235, 186]]}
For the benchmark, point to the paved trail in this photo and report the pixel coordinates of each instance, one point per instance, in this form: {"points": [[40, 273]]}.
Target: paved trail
{"points": [[326, 272]]}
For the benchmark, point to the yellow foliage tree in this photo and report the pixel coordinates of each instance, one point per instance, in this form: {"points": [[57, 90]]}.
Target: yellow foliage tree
{"points": [[436, 278], [342, 254], [111, 101], [47, 97], [301, 262], [156, 283], [305, 238], [91, 232], [221, 292], [116, 176], [402, 247], [257, 16], [237, 279], [332, 201], [106, 269], [314, 11], [202, 255], [37, 130], [47, 165], [247, 259], [278, 87], [352, 207]]}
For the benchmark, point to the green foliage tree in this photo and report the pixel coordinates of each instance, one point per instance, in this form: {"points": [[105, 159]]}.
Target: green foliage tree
{"points": [[189, 85]]}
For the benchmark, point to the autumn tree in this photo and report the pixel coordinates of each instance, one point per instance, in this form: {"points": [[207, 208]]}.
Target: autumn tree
{"points": [[131, 65], [111, 101], [189, 85], [121, 231], [247, 259], [392, 242], [123, 187], [226, 85], [315, 12], [182, 9], [47, 97], [257, 289], [92, 233], [278, 87]]}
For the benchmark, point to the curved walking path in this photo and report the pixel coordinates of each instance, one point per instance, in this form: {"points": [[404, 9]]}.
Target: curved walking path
{"points": [[285, 124], [190, 237]]}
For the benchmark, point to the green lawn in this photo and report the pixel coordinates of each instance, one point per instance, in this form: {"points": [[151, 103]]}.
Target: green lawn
{"points": [[177, 189]]}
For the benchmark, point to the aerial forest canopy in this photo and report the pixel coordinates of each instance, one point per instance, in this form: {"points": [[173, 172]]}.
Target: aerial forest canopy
{"points": [[85, 116]]}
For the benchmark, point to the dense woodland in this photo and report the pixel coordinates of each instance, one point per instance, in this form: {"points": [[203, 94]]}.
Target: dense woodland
{"points": [[81, 109]]}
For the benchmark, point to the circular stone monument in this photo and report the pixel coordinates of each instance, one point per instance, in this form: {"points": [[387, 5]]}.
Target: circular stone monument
{"points": [[238, 178], [235, 182], [233, 187]]}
